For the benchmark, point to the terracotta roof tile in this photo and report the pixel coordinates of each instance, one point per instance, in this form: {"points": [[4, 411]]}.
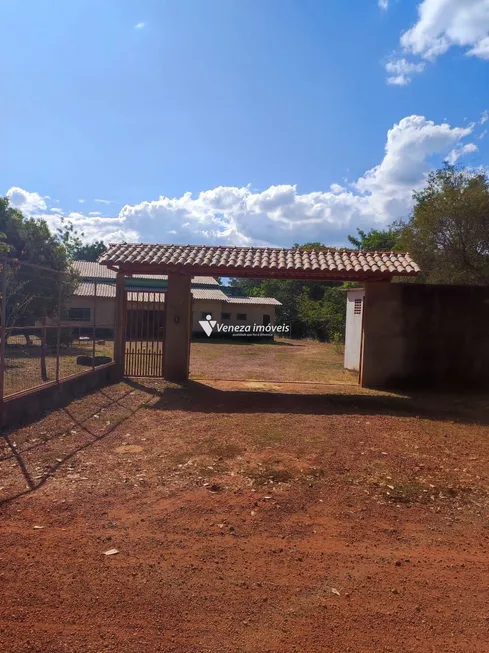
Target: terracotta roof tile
{"points": [[319, 263]]}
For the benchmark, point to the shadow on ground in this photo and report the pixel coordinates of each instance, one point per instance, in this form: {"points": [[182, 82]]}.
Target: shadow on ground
{"points": [[80, 431], [83, 430], [197, 396]]}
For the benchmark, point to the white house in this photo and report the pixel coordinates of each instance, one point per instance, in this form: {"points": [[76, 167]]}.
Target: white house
{"points": [[208, 298], [353, 334]]}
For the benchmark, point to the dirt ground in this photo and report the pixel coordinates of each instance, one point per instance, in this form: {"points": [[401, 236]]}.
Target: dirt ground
{"points": [[248, 516]]}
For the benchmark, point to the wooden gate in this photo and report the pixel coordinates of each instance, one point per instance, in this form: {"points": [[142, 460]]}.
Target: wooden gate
{"points": [[144, 333]]}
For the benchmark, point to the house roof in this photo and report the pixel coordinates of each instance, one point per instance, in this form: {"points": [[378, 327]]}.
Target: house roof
{"points": [[143, 294], [93, 270], [324, 264], [90, 270], [87, 289], [107, 290], [211, 293], [268, 301]]}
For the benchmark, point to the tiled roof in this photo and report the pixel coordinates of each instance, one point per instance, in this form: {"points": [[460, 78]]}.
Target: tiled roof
{"points": [[91, 270], [203, 293], [263, 301], [203, 281], [273, 261], [87, 289]]}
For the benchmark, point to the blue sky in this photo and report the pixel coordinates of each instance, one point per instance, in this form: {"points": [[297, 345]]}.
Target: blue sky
{"points": [[236, 121]]}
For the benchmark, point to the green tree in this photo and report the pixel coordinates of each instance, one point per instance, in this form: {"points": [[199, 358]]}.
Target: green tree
{"points": [[37, 273], [90, 252], [325, 318], [385, 240], [313, 309], [75, 248], [448, 231]]}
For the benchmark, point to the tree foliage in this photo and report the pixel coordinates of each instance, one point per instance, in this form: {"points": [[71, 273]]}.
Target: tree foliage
{"points": [[90, 251], [30, 240], [76, 249], [312, 309], [380, 240], [31, 291], [448, 230]]}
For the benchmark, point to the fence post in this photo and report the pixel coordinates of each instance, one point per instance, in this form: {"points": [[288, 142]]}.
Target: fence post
{"points": [[58, 334], [120, 317], [3, 333], [94, 324]]}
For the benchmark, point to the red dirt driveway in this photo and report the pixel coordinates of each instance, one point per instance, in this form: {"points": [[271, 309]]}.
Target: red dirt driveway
{"points": [[248, 517]]}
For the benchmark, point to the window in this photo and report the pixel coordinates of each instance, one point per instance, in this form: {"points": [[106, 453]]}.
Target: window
{"points": [[357, 310], [242, 316], [79, 314], [206, 315], [225, 316]]}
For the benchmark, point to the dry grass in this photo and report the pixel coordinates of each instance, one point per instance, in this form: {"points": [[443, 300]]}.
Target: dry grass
{"points": [[280, 361], [23, 363]]}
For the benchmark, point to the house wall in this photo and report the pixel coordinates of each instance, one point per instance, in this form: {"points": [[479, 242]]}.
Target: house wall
{"points": [[353, 333], [105, 311], [105, 314], [425, 336], [254, 312], [207, 306]]}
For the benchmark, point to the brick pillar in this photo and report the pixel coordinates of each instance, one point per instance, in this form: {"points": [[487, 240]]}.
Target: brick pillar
{"points": [[178, 311], [383, 343]]}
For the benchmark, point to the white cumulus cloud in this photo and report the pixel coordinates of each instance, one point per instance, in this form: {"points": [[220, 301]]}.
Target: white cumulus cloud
{"points": [[401, 71], [443, 24], [26, 201], [281, 215], [459, 151]]}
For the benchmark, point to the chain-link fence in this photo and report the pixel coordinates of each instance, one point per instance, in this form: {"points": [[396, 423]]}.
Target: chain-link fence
{"points": [[52, 325]]}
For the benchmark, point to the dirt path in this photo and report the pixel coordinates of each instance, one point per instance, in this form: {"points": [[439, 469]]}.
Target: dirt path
{"points": [[303, 518]]}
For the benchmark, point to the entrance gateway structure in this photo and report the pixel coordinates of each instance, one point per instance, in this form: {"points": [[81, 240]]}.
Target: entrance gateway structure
{"points": [[182, 262]]}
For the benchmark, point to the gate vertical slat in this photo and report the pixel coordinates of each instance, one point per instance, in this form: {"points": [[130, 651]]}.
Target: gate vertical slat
{"points": [[144, 346], [148, 335]]}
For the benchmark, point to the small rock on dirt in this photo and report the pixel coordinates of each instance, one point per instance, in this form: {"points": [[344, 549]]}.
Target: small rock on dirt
{"points": [[111, 552]]}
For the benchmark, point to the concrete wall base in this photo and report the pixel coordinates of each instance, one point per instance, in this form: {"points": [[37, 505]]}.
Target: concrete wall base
{"points": [[32, 405]]}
